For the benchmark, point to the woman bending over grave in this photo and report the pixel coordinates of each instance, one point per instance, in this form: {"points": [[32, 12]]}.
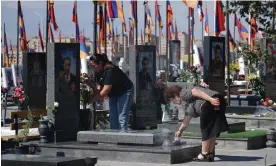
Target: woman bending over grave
{"points": [[115, 84], [207, 104]]}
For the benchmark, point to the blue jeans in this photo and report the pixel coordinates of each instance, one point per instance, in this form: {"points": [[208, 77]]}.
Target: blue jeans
{"points": [[119, 107]]}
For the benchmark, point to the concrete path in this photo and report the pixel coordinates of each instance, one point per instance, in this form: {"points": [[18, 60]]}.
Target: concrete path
{"points": [[224, 158]]}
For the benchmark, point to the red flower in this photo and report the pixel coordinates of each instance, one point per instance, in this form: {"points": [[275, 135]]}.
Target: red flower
{"points": [[267, 99], [265, 103]]}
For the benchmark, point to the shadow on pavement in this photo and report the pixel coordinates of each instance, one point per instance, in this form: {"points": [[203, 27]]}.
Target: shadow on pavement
{"points": [[237, 158]]}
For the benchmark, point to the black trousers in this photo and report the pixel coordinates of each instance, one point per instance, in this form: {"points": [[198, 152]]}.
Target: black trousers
{"points": [[213, 122]]}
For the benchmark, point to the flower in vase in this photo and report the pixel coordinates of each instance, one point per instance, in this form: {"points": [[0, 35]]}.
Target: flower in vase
{"points": [[56, 104], [270, 102]]}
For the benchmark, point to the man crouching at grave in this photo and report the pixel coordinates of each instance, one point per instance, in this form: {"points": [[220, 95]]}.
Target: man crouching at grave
{"points": [[119, 88], [207, 104]]}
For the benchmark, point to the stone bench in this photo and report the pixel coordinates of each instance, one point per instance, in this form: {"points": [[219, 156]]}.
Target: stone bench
{"points": [[118, 137]]}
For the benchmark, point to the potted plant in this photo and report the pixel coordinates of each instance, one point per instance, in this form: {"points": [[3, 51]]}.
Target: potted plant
{"points": [[23, 134], [234, 69], [87, 87], [257, 84]]}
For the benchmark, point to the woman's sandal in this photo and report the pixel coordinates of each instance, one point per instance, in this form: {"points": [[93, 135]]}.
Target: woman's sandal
{"points": [[205, 158], [211, 157]]}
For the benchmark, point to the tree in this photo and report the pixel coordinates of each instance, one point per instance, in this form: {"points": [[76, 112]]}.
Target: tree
{"points": [[263, 11]]}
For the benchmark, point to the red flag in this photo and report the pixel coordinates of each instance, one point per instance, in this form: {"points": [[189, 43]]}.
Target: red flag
{"points": [[158, 15], [22, 36], [40, 38], [102, 21], [219, 20], [170, 13], [254, 28]]}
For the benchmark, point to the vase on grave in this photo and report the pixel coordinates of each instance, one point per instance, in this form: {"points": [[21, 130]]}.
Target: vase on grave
{"points": [[43, 130], [271, 138]]}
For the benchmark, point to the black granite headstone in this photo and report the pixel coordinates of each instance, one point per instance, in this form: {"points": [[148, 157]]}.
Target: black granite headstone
{"points": [[34, 160], [214, 63], [34, 79], [143, 75], [63, 80]]}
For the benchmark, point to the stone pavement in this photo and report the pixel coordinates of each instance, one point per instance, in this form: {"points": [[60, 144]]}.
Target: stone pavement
{"points": [[224, 158]]}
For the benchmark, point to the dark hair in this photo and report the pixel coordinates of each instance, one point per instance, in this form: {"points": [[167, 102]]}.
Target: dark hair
{"points": [[172, 91], [217, 47], [100, 58], [145, 59], [67, 58]]}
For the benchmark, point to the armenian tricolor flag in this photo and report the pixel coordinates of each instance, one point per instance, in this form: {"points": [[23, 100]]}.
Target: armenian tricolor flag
{"points": [[75, 20], [133, 11], [83, 49], [219, 19], [52, 39], [206, 23], [158, 15], [115, 10], [22, 32], [190, 3], [242, 30], [51, 14], [6, 47]]}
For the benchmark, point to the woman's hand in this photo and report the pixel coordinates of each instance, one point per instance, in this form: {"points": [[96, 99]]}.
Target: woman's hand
{"points": [[214, 101], [204, 85], [178, 133]]}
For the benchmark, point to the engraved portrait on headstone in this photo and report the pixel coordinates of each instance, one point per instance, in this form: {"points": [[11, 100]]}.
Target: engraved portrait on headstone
{"points": [[67, 73], [217, 65], [37, 76], [145, 71]]}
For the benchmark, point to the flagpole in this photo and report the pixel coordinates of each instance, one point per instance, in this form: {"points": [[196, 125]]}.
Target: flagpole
{"points": [[17, 41], [227, 53], [123, 32], [47, 25], [167, 34], [155, 27], [105, 43], [145, 18], [95, 28], [136, 23], [235, 37], [215, 2], [189, 38], [192, 42]]}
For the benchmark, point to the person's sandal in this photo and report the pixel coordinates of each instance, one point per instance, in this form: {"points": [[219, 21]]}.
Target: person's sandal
{"points": [[206, 158], [211, 157]]}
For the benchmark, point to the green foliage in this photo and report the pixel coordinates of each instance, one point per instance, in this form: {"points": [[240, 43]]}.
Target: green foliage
{"points": [[263, 11], [245, 134], [234, 66], [22, 136]]}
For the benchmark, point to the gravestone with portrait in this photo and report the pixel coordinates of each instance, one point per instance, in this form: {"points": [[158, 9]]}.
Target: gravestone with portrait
{"points": [[268, 47], [214, 63], [143, 75], [34, 79], [63, 80]]}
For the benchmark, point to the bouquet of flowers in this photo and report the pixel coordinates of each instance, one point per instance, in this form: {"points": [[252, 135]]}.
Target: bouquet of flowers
{"points": [[87, 87], [19, 98], [267, 102]]}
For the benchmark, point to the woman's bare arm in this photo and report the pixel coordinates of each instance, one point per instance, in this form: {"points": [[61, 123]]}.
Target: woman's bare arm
{"points": [[200, 94], [184, 124]]}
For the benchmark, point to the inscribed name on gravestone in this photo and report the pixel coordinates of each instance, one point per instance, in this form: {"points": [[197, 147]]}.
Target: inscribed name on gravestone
{"points": [[63, 82], [34, 76], [143, 75]]}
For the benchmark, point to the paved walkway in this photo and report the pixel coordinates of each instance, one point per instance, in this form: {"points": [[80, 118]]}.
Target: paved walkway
{"points": [[224, 158]]}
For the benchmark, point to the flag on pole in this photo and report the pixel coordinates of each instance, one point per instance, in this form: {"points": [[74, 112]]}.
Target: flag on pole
{"points": [[219, 19], [133, 11], [22, 32], [158, 15], [51, 15], [254, 28], [102, 22], [142, 36], [242, 30], [75, 20], [108, 26], [40, 38], [115, 10], [6, 47], [200, 11], [59, 36], [172, 32], [83, 49], [206, 28], [149, 22]]}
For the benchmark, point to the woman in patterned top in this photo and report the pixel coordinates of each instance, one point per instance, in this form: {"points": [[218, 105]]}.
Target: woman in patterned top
{"points": [[207, 104]]}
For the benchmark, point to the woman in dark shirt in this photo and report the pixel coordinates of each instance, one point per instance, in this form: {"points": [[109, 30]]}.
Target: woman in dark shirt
{"points": [[207, 104], [117, 86]]}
